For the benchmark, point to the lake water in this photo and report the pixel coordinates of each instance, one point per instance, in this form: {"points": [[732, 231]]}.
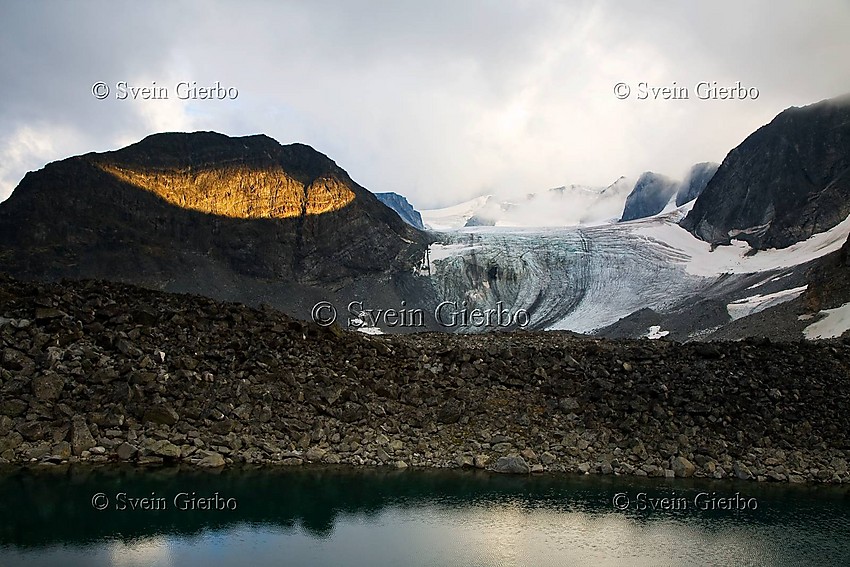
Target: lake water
{"points": [[340, 516]]}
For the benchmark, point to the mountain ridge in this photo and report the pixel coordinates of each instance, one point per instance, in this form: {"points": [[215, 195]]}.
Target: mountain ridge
{"points": [[786, 181], [207, 213]]}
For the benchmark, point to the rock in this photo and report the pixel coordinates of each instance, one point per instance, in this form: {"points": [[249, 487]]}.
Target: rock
{"points": [[400, 465], [512, 464], [149, 460], [528, 454], [163, 415], [33, 430], [480, 461], [11, 442], [537, 468], [81, 437], [212, 459], [682, 467], [46, 313], [166, 449], [451, 411], [741, 471], [314, 454], [126, 451], [39, 451], [127, 349], [48, 387], [464, 461], [62, 450], [13, 407]]}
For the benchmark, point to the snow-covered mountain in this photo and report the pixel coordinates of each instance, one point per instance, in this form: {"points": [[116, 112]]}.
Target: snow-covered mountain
{"points": [[577, 205], [562, 206], [455, 216]]}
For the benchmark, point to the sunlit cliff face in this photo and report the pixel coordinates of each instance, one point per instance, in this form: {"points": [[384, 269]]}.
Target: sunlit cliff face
{"points": [[239, 191]]}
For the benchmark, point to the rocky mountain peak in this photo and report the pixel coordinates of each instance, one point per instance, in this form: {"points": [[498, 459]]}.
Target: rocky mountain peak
{"points": [[788, 180], [200, 212]]}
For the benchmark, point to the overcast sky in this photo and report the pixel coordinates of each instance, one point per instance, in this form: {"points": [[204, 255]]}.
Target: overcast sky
{"points": [[438, 101]]}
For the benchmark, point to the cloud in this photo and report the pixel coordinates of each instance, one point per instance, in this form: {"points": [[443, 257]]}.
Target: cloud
{"points": [[439, 101]]}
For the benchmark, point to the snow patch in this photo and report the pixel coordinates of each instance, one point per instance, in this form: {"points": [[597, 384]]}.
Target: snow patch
{"points": [[700, 260], [370, 330], [655, 332], [833, 325], [755, 303]]}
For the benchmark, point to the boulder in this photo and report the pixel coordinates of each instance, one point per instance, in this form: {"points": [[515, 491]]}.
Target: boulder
{"points": [[212, 460], [163, 415], [126, 451], [48, 387], [682, 467], [511, 464], [81, 437]]}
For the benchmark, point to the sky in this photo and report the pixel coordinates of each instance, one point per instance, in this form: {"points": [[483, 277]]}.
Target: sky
{"points": [[440, 101]]}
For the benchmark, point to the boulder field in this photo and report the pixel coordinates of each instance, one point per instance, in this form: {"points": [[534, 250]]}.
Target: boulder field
{"points": [[98, 372]]}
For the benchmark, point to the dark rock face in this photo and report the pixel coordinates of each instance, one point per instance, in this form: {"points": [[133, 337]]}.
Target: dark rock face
{"points": [[650, 195], [788, 180], [829, 281], [204, 213], [402, 206], [221, 383], [695, 182]]}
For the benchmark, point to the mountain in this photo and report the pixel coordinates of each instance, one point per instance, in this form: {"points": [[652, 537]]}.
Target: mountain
{"points": [[650, 195], [231, 218], [695, 182], [568, 205], [788, 180], [402, 206]]}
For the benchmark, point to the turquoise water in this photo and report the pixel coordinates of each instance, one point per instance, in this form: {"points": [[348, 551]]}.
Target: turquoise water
{"points": [[340, 516]]}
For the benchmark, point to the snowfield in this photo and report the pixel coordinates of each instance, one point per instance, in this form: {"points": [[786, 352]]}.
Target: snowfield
{"points": [[833, 325]]}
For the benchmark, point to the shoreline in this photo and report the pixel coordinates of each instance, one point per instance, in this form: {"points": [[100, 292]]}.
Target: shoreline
{"points": [[99, 372]]}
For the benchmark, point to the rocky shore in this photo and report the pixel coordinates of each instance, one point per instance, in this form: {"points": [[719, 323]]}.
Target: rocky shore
{"points": [[98, 372]]}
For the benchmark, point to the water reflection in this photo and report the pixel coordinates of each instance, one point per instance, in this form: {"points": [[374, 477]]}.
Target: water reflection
{"points": [[339, 516]]}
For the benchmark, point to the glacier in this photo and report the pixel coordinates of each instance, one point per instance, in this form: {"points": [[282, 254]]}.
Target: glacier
{"points": [[584, 278]]}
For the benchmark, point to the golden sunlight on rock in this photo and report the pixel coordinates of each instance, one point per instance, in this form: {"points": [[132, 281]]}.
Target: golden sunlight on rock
{"points": [[240, 191]]}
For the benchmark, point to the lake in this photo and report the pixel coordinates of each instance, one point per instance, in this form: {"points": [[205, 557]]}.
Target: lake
{"points": [[342, 516]]}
